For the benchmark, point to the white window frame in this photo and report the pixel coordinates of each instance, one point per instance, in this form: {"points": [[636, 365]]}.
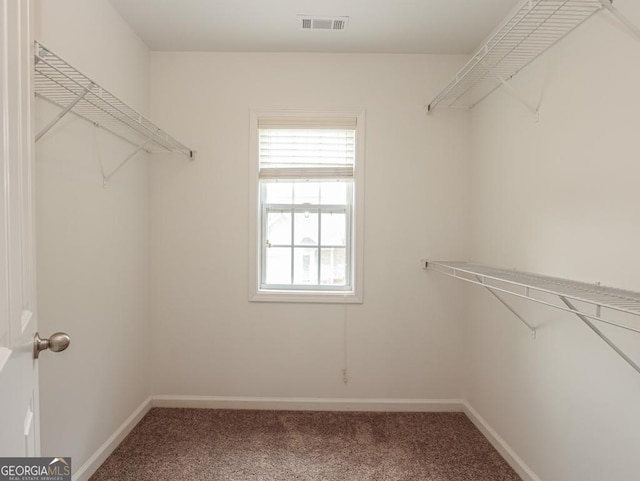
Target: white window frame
{"points": [[315, 295]]}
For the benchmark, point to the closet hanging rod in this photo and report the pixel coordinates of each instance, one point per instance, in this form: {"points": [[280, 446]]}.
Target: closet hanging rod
{"points": [[61, 84]]}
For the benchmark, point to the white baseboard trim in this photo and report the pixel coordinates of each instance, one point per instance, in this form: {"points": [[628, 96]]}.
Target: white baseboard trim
{"points": [[509, 455], [93, 463], [309, 404]]}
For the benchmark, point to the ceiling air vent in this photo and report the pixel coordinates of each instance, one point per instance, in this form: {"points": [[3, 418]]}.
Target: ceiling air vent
{"points": [[309, 22]]}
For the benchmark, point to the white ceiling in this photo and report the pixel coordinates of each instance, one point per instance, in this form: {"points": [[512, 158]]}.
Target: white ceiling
{"points": [[378, 26]]}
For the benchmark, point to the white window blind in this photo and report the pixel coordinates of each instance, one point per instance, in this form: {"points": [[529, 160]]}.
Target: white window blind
{"points": [[309, 148]]}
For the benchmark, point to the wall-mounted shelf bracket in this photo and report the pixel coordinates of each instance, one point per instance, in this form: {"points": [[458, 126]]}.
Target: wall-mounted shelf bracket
{"points": [[106, 177], [602, 336], [516, 95], [60, 116], [508, 306], [633, 28], [578, 298]]}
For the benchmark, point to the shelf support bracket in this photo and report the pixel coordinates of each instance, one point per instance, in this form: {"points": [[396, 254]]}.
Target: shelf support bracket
{"points": [[105, 178], [600, 333], [635, 31], [515, 94], [508, 306], [64, 112]]}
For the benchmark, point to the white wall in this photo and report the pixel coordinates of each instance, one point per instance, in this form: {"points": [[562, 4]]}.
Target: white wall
{"points": [[404, 341], [560, 197], [92, 243]]}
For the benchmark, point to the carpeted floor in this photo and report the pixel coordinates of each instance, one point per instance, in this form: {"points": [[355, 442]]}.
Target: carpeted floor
{"points": [[212, 445]]}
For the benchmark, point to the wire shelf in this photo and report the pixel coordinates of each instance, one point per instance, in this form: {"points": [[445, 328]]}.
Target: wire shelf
{"points": [[532, 29], [603, 300], [62, 85], [521, 283]]}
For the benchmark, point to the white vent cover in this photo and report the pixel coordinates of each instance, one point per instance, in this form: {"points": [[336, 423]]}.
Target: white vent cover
{"points": [[310, 22]]}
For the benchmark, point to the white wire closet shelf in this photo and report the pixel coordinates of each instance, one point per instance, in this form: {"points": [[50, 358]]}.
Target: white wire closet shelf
{"points": [[590, 302], [534, 27], [64, 86]]}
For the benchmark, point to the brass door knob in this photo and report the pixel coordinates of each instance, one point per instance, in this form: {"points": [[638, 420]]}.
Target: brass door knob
{"points": [[57, 342]]}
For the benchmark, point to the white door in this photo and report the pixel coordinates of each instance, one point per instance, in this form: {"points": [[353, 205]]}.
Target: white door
{"points": [[19, 433]]}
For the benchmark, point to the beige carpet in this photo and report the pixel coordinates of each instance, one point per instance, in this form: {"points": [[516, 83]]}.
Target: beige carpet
{"points": [[199, 444]]}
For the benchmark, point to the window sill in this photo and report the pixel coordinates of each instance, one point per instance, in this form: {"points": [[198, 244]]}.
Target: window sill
{"points": [[310, 297]]}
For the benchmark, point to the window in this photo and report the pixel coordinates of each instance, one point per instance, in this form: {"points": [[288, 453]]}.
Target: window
{"points": [[307, 195]]}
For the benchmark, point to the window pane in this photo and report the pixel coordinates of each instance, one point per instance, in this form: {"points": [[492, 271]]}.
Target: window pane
{"points": [[333, 270], [306, 228], [278, 192], [333, 193], [278, 265], [305, 266], [334, 229], [306, 192], [278, 228]]}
